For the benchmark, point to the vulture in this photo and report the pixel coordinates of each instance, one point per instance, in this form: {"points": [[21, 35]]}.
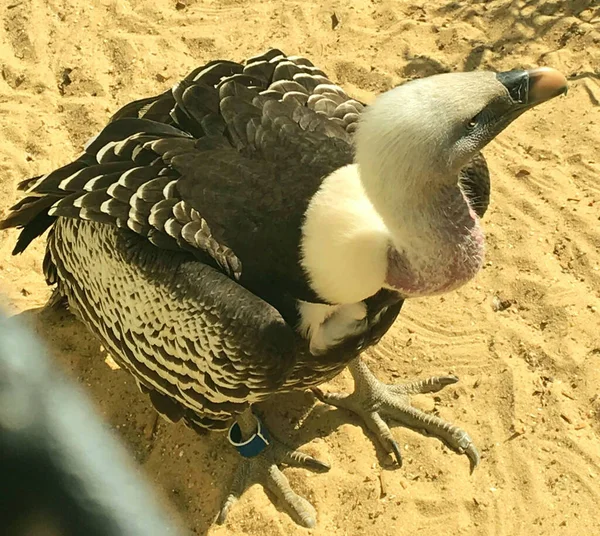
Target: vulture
{"points": [[254, 229]]}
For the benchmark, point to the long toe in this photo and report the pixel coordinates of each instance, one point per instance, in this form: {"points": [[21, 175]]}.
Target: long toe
{"points": [[241, 481], [453, 436], [297, 458], [298, 507], [338, 400], [429, 385], [383, 433], [263, 469]]}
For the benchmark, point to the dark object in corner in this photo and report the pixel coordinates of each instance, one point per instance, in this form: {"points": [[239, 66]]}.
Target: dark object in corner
{"points": [[61, 472]]}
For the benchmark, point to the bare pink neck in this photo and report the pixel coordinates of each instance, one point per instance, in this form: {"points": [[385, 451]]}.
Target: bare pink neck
{"points": [[444, 253]]}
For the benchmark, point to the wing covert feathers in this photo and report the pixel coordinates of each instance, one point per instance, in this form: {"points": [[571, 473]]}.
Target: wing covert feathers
{"points": [[125, 176]]}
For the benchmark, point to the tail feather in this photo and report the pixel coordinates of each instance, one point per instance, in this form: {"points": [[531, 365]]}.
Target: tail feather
{"points": [[26, 184], [31, 215], [50, 183], [32, 231]]}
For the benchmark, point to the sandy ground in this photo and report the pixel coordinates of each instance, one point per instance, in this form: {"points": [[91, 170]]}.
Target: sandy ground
{"points": [[529, 393]]}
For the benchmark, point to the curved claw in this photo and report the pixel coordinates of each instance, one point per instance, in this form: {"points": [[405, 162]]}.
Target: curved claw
{"points": [[447, 380], [239, 485], [464, 445], [397, 452], [319, 394], [383, 433], [474, 456]]}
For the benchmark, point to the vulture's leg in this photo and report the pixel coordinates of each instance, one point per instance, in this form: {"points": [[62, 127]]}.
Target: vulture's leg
{"points": [[262, 468], [374, 401]]}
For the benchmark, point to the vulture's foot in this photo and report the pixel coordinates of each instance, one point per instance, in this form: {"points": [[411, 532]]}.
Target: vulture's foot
{"points": [[374, 401], [262, 455]]}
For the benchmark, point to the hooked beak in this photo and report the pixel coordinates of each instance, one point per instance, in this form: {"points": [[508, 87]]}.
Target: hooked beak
{"points": [[532, 87]]}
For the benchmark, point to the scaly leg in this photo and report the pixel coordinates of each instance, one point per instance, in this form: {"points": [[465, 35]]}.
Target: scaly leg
{"points": [[374, 400], [261, 457]]}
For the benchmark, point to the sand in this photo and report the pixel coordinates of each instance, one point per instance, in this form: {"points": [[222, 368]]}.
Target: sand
{"points": [[523, 337]]}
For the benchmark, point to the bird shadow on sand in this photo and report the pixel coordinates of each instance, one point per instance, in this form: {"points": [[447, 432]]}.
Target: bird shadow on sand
{"points": [[295, 418]]}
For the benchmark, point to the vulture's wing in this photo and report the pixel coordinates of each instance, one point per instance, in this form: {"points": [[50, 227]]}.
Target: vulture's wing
{"points": [[241, 147]]}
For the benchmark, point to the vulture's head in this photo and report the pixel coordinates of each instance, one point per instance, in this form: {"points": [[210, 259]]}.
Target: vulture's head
{"points": [[426, 130]]}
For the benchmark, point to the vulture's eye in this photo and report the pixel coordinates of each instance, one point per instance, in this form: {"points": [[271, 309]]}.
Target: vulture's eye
{"points": [[474, 121]]}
